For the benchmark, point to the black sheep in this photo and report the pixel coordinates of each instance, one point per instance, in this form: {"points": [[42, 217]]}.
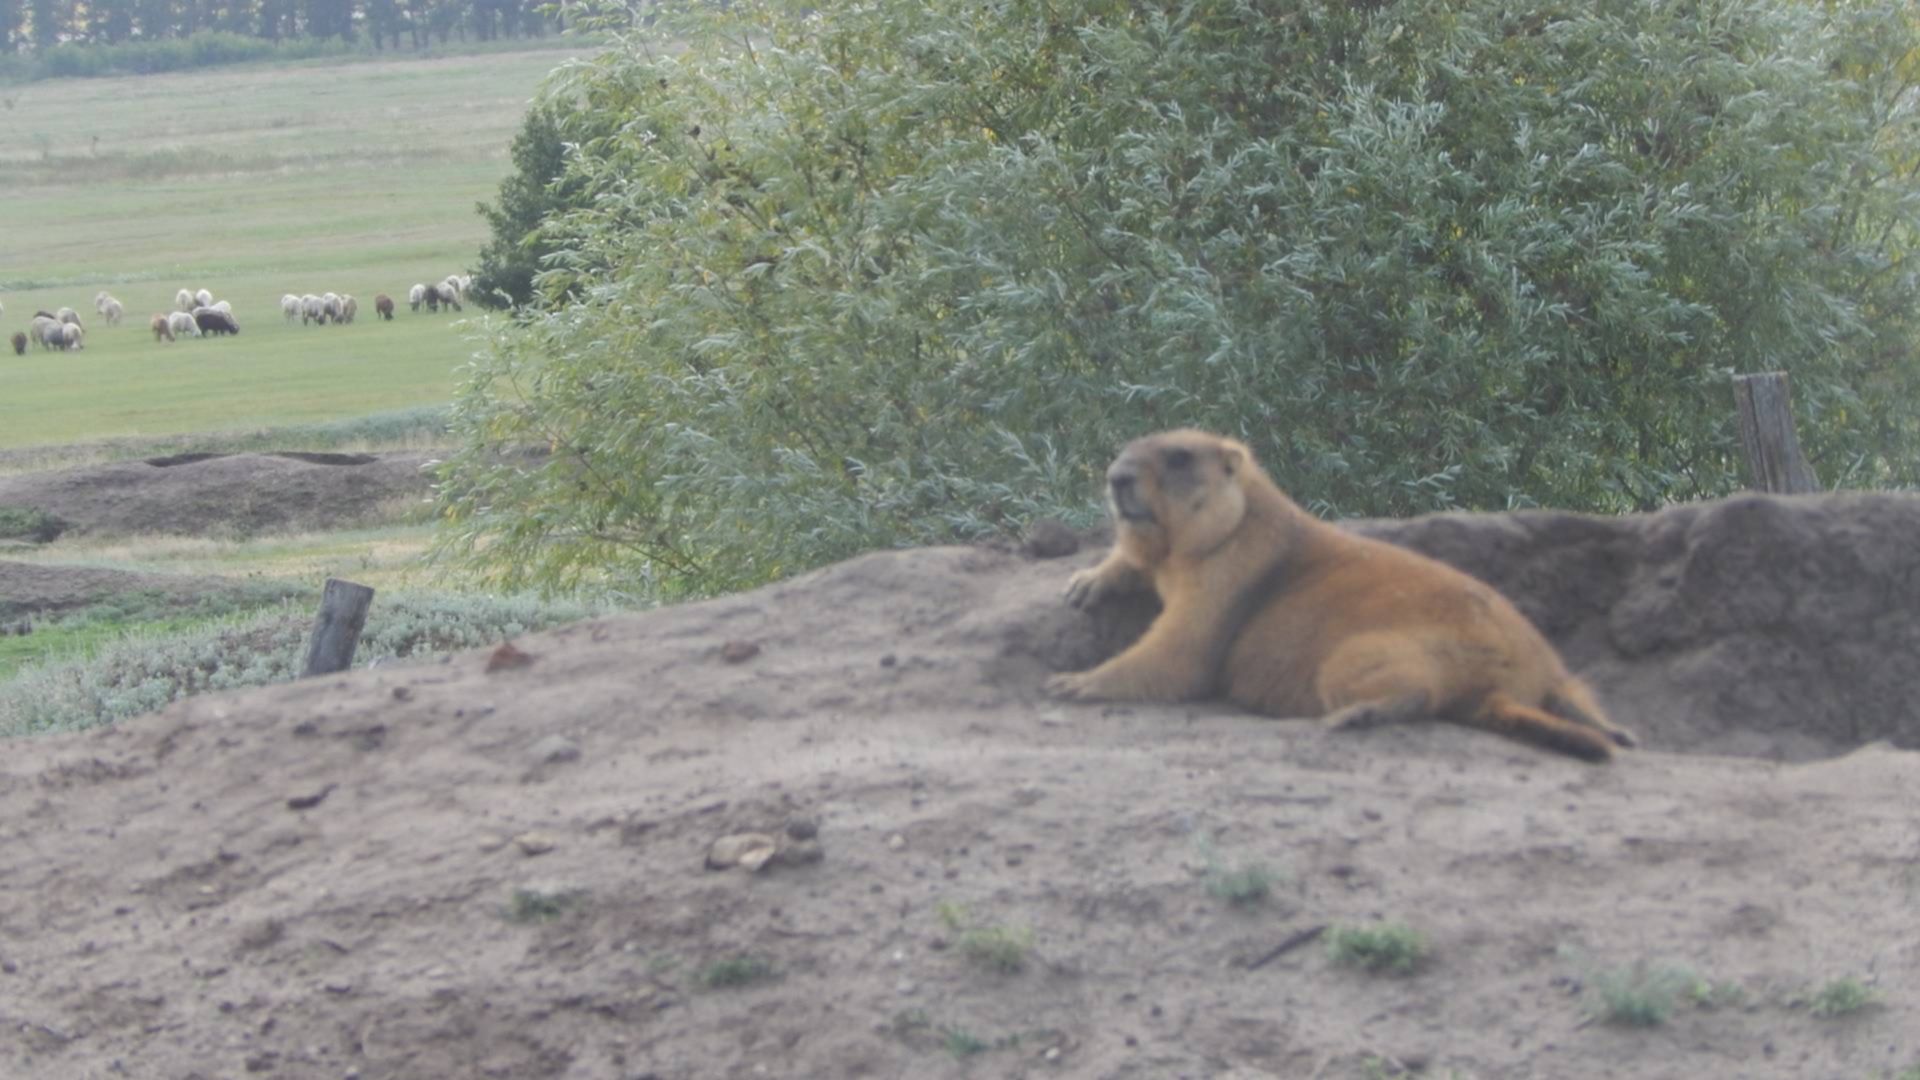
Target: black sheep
{"points": [[19, 343], [215, 322]]}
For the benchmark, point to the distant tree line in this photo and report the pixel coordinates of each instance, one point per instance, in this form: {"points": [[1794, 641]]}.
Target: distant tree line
{"points": [[44, 24]]}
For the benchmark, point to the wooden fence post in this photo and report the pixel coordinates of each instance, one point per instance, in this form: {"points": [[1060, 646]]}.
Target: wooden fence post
{"points": [[336, 632], [1774, 460]]}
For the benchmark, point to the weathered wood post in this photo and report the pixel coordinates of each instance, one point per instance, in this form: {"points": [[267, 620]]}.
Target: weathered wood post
{"points": [[343, 614], [1774, 460]]}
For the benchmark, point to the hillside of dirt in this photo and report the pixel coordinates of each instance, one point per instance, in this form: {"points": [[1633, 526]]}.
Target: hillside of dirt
{"points": [[497, 866], [33, 589], [221, 494]]}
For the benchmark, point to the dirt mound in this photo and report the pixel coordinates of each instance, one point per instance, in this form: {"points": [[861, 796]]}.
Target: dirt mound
{"points": [[208, 494], [33, 589], [494, 866]]}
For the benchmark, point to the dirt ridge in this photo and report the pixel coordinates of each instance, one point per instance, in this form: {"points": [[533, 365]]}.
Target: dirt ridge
{"points": [[317, 879]]}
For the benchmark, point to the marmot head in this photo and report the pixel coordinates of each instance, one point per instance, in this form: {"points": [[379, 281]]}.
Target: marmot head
{"points": [[1178, 492]]}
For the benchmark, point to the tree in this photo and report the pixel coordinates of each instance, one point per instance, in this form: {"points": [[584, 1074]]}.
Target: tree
{"points": [[45, 20], [12, 18], [850, 275], [537, 188]]}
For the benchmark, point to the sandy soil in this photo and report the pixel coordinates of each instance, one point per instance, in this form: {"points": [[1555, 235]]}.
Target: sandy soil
{"points": [[318, 880]]}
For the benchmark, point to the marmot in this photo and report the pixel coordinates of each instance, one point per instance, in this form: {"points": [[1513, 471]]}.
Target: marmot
{"points": [[1289, 616]]}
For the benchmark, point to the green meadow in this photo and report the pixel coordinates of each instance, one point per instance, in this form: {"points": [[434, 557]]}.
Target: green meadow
{"points": [[353, 177]]}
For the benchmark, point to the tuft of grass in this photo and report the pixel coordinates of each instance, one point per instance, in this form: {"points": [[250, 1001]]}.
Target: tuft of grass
{"points": [[1718, 995], [29, 523], [539, 906], [1644, 995], [1841, 997], [1390, 948], [742, 970], [997, 948], [1241, 886], [964, 1044]]}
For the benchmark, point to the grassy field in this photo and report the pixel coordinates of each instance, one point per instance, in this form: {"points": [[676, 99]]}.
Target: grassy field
{"points": [[347, 177]]}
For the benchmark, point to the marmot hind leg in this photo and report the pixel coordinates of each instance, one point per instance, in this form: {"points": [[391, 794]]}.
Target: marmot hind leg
{"points": [[1375, 680]]}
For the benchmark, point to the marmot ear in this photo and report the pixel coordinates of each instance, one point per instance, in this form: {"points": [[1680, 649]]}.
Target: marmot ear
{"points": [[1234, 456]]}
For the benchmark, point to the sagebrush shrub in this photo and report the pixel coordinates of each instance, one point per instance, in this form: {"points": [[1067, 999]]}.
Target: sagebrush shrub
{"points": [[836, 276]]}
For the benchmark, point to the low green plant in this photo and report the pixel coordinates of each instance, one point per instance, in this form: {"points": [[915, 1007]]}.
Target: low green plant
{"points": [[1390, 948], [964, 1044], [1841, 997], [997, 948], [538, 905], [742, 970], [1643, 995], [1242, 886], [29, 523], [1718, 995]]}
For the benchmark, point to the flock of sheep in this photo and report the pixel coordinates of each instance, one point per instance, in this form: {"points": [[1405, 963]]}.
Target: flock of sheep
{"points": [[62, 329], [448, 292], [197, 313]]}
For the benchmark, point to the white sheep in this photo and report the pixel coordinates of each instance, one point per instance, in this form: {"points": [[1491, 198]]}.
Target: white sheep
{"points": [[290, 307], [416, 296], [183, 300], [100, 301], [56, 335], [203, 298], [67, 315], [348, 307], [222, 307], [330, 303], [111, 311], [312, 309], [74, 333], [182, 324]]}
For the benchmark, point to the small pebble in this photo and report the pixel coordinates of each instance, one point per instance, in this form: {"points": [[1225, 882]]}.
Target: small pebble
{"points": [[555, 750], [535, 843]]}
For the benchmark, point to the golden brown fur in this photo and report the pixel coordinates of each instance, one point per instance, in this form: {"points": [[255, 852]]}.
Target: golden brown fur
{"points": [[1289, 616]]}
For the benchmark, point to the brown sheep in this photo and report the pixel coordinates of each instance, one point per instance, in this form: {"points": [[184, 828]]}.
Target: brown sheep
{"points": [[383, 306], [19, 340], [161, 331]]}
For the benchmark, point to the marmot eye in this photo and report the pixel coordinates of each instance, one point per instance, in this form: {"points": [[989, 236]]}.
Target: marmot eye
{"points": [[1178, 458]]}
